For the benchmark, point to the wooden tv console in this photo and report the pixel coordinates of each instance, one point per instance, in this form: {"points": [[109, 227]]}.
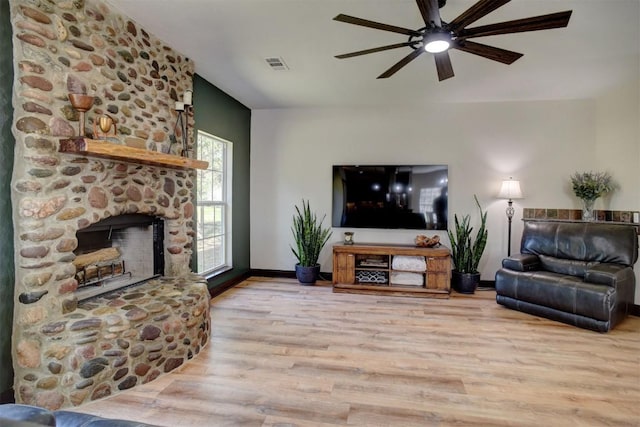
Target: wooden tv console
{"points": [[368, 269]]}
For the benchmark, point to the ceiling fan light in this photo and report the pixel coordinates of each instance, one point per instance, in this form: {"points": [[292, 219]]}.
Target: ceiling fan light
{"points": [[436, 46], [436, 41]]}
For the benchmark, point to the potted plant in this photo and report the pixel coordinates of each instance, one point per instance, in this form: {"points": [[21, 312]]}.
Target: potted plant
{"points": [[588, 187], [310, 237], [466, 252]]}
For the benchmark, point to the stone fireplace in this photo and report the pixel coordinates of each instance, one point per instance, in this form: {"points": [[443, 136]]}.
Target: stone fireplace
{"points": [[70, 348]]}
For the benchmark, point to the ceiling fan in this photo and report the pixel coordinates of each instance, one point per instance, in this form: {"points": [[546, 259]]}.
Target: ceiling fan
{"points": [[438, 36]]}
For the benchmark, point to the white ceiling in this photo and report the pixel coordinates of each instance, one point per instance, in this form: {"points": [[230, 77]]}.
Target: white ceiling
{"points": [[229, 40]]}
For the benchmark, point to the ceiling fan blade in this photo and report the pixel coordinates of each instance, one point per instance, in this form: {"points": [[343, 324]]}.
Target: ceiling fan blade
{"points": [[374, 50], [404, 61], [430, 12], [475, 12], [375, 25], [443, 65], [535, 23], [490, 52]]}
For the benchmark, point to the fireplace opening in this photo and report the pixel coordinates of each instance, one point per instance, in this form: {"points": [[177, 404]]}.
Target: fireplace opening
{"points": [[118, 252]]}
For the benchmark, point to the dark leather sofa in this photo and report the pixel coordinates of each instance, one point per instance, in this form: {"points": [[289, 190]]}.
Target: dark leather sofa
{"points": [[573, 272], [16, 415]]}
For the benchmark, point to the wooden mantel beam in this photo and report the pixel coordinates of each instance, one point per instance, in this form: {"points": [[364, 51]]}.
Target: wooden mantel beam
{"points": [[107, 150]]}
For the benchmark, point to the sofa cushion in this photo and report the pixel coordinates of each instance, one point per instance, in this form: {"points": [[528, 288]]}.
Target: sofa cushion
{"points": [[78, 419], [117, 423], [18, 415], [28, 413], [6, 422], [609, 274], [561, 292], [571, 267], [74, 419], [589, 242]]}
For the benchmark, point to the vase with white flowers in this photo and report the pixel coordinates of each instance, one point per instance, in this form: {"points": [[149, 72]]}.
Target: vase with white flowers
{"points": [[588, 187]]}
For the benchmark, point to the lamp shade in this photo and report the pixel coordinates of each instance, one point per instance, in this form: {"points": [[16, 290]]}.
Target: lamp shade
{"points": [[510, 190]]}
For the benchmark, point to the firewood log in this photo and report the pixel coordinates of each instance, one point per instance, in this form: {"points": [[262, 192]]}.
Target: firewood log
{"points": [[101, 255], [91, 272]]}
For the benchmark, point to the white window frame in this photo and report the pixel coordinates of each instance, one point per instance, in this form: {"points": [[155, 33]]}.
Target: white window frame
{"points": [[227, 173]]}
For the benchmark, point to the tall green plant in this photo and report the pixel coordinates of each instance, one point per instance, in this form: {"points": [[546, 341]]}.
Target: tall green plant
{"points": [[309, 235], [467, 251]]}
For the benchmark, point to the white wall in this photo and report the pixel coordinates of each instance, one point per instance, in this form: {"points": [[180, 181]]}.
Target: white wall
{"points": [[618, 142], [539, 143], [618, 148]]}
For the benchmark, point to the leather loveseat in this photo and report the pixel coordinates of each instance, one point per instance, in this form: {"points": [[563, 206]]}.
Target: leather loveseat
{"points": [[17, 415], [573, 272]]}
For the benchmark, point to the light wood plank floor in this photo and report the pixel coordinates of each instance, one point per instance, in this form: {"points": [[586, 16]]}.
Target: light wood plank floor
{"points": [[282, 354]]}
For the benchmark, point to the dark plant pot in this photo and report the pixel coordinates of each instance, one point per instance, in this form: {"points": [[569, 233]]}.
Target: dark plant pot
{"points": [[465, 283], [307, 275]]}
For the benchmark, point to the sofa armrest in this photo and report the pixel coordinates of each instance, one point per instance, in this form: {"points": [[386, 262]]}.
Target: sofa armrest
{"points": [[522, 262], [27, 414], [608, 274]]}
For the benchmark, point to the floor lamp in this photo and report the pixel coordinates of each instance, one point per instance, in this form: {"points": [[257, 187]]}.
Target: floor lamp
{"points": [[510, 190]]}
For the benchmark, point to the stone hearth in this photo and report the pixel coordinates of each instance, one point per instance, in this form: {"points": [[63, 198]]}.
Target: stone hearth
{"points": [[67, 352], [117, 341]]}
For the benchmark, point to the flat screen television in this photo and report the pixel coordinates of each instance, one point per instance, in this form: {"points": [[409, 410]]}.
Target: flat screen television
{"points": [[390, 196]]}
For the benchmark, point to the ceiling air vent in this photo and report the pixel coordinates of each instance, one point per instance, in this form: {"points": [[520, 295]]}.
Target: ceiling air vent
{"points": [[277, 64]]}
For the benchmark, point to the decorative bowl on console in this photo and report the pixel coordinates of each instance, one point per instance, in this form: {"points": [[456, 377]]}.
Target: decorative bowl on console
{"points": [[423, 241]]}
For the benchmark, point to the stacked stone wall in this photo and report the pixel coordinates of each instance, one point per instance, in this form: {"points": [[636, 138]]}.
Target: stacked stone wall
{"points": [[65, 353]]}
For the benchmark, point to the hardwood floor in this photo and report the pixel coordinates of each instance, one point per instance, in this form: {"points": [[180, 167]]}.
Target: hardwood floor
{"points": [[282, 354]]}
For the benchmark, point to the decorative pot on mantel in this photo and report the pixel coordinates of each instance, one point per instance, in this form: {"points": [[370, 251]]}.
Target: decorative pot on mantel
{"points": [[82, 103]]}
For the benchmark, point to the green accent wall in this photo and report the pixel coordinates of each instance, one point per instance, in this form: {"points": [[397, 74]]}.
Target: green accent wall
{"points": [[7, 143], [217, 113]]}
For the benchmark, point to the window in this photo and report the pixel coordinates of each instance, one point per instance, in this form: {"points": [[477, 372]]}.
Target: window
{"points": [[213, 205], [427, 196]]}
